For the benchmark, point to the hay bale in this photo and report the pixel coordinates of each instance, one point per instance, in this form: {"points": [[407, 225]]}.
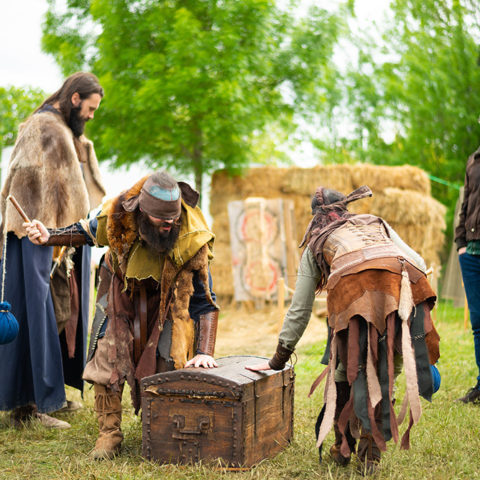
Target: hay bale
{"points": [[418, 219], [304, 181], [379, 178], [401, 195], [408, 207], [257, 182], [221, 269], [221, 228]]}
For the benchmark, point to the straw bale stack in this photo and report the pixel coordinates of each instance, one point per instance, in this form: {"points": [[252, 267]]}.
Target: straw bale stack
{"points": [[304, 181], [379, 178], [417, 218], [401, 197]]}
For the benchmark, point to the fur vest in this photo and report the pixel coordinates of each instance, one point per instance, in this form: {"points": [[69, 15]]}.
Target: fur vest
{"points": [[117, 229], [48, 178]]}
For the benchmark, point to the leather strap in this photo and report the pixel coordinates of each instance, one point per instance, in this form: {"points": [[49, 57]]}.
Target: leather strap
{"points": [[281, 357], [143, 317], [68, 239], [71, 236], [72, 323], [207, 333], [140, 325]]}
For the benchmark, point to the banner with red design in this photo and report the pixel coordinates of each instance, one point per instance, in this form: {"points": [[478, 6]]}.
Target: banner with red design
{"points": [[263, 245]]}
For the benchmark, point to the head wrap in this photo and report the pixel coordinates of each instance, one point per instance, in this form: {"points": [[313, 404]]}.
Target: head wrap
{"points": [[326, 199], [329, 205], [329, 208], [159, 197]]}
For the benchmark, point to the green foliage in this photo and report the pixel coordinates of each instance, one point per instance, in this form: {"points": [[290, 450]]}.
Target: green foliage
{"points": [[422, 80], [436, 77], [195, 84], [416, 77], [65, 35], [16, 104]]}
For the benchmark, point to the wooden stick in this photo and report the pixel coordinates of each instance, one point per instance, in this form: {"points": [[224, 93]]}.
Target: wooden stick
{"points": [[281, 301], [58, 260], [19, 208]]}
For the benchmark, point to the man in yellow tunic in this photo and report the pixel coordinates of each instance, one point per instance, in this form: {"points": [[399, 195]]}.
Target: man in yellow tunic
{"points": [[155, 310]]}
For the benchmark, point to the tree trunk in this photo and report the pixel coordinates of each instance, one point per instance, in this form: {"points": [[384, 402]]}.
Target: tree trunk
{"points": [[197, 160], [199, 182]]}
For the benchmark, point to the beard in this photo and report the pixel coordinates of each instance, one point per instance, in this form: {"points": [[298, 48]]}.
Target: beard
{"points": [[158, 241], [76, 122]]}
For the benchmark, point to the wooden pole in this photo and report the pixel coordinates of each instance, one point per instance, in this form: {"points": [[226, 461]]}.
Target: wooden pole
{"points": [[432, 272], [91, 303], [281, 301], [19, 208], [57, 261]]}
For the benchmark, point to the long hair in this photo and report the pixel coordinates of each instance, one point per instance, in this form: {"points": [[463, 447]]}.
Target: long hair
{"points": [[329, 210], [84, 83]]}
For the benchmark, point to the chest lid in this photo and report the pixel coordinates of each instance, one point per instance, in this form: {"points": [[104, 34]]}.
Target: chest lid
{"points": [[229, 380]]}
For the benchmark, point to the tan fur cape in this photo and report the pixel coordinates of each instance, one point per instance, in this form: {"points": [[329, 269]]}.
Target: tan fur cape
{"points": [[46, 176]]}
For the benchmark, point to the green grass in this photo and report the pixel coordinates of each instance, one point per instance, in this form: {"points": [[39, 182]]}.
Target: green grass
{"points": [[444, 445]]}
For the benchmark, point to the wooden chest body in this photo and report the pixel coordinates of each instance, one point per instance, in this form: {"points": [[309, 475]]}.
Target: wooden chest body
{"points": [[227, 412]]}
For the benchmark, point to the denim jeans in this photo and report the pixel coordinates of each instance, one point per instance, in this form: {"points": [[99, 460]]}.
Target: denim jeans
{"points": [[470, 265]]}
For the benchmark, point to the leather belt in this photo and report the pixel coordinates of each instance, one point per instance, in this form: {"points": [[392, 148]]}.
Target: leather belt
{"points": [[140, 325]]}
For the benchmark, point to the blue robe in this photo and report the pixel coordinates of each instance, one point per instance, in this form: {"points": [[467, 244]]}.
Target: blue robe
{"points": [[35, 367]]}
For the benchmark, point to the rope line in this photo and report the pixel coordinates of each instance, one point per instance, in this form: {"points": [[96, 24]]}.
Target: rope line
{"points": [[443, 182], [4, 253]]}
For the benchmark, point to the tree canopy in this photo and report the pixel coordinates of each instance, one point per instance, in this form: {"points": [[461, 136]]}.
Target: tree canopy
{"points": [[420, 85], [16, 104], [196, 84]]}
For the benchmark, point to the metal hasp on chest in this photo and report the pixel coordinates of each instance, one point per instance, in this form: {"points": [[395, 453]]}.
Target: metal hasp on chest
{"points": [[227, 413]]}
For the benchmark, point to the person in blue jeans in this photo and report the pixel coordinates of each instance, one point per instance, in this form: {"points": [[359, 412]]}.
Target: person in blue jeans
{"points": [[467, 238]]}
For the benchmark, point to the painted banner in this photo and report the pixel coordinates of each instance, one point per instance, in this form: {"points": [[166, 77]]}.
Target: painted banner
{"points": [[262, 233]]}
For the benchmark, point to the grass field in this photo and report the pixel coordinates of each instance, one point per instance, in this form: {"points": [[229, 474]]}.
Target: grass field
{"points": [[444, 445]]}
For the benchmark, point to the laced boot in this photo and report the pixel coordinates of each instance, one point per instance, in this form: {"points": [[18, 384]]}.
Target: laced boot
{"points": [[343, 394], [108, 407], [368, 453]]}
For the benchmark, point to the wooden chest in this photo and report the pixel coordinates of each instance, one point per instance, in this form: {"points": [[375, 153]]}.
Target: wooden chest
{"points": [[227, 413]]}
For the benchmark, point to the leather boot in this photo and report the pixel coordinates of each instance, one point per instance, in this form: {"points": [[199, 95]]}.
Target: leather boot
{"points": [[368, 453], [335, 448], [343, 394], [108, 407]]}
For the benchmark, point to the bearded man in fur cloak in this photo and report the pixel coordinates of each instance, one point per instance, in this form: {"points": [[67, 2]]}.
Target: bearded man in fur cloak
{"points": [[155, 308], [54, 175], [378, 303]]}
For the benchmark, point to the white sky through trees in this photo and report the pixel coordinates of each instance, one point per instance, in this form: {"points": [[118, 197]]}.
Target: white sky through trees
{"points": [[22, 64]]}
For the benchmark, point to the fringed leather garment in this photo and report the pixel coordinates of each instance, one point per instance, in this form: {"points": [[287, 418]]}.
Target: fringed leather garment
{"points": [[378, 306]]}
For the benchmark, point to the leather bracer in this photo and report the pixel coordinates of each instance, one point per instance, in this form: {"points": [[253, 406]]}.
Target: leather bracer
{"points": [[207, 333], [71, 236], [281, 357]]}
